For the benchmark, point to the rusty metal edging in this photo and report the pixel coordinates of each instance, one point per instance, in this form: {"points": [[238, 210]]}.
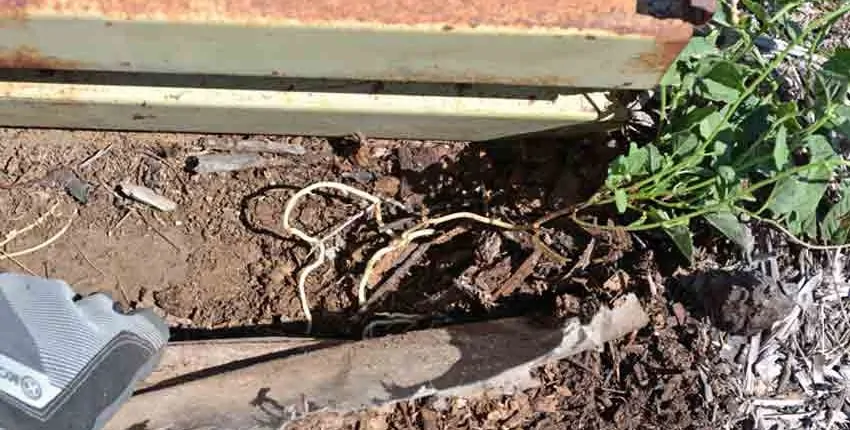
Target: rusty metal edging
{"points": [[574, 43]]}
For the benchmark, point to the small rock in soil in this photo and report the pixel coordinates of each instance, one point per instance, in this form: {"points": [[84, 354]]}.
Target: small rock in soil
{"points": [[741, 303], [359, 176], [78, 189]]}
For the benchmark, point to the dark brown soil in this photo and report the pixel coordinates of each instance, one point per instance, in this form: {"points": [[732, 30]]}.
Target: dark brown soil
{"points": [[221, 264], [742, 303]]}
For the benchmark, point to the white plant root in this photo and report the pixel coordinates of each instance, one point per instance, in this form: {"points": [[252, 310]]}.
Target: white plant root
{"points": [[318, 244], [12, 235], [423, 229]]}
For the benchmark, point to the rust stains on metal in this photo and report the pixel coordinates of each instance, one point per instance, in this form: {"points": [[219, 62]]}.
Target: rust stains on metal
{"points": [[27, 57], [12, 10], [660, 59], [619, 14], [670, 38], [597, 18]]}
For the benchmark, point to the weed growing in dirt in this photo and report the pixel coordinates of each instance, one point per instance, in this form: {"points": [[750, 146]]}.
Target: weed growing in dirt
{"points": [[732, 146]]}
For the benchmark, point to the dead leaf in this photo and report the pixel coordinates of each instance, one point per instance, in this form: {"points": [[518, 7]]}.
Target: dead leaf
{"points": [[387, 186], [363, 157]]}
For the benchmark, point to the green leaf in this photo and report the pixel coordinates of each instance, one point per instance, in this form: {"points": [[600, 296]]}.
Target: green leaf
{"points": [[637, 160], [727, 174], [721, 17], [839, 64], [621, 199], [678, 231], [688, 83], [715, 91], [719, 148], [656, 160], [787, 109], [730, 226], [711, 122], [781, 153], [797, 197], [836, 224], [697, 47], [723, 82], [683, 239], [640, 221], [805, 225], [830, 87], [624, 167], [755, 124], [819, 147], [695, 115], [685, 143], [842, 120], [757, 10], [700, 46], [672, 77], [794, 195]]}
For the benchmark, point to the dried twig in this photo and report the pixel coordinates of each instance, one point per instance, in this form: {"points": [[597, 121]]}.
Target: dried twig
{"points": [[518, 277], [583, 261], [410, 258], [3, 255], [159, 233], [121, 289], [406, 239], [120, 221], [86, 258], [414, 255], [390, 320], [421, 230], [752, 356], [88, 162]]}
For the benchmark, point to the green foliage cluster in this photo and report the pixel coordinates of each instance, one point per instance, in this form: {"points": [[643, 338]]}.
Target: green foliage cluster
{"points": [[729, 149]]}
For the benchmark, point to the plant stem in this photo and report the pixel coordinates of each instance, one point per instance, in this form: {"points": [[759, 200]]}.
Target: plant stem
{"points": [[729, 201]]}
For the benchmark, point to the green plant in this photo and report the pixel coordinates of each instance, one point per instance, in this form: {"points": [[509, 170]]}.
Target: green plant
{"points": [[729, 148]]}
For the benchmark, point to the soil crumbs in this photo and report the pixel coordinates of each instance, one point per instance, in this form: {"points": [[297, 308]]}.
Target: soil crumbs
{"points": [[221, 265]]}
